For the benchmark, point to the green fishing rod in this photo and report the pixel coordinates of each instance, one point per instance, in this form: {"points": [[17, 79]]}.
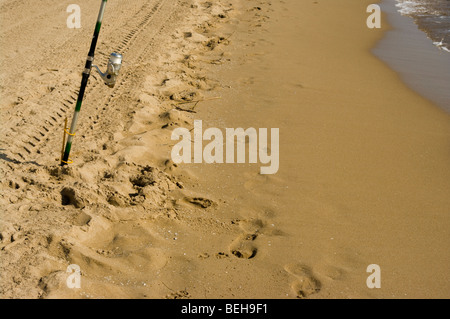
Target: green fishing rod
{"points": [[109, 77]]}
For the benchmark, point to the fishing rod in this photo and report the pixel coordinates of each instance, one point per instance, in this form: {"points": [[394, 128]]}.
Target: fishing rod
{"points": [[109, 77]]}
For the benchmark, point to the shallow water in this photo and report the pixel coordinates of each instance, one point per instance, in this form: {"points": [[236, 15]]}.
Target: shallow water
{"points": [[432, 17], [407, 50]]}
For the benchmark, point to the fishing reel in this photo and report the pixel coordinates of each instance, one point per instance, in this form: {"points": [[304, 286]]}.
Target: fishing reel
{"points": [[112, 71]]}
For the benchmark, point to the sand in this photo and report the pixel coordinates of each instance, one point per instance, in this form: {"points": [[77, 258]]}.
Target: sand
{"points": [[363, 178]]}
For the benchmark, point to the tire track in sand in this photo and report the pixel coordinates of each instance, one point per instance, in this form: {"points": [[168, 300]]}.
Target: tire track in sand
{"points": [[30, 138]]}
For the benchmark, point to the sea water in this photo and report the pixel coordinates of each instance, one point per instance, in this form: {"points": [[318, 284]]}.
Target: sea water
{"points": [[417, 46], [432, 17]]}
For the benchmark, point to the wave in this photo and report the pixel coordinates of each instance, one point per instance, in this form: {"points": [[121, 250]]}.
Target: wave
{"points": [[432, 17]]}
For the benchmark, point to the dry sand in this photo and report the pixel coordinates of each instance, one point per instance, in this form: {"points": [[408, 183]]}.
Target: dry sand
{"points": [[364, 175]]}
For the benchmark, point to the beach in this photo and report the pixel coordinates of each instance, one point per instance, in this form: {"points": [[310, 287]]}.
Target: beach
{"points": [[363, 176]]}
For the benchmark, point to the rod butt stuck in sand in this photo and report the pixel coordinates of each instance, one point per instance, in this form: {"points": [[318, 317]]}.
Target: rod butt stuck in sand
{"points": [[115, 61]]}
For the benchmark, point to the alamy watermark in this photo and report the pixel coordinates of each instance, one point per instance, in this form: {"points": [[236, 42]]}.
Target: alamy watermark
{"points": [[74, 279], [374, 280], [374, 19], [74, 19], [221, 149]]}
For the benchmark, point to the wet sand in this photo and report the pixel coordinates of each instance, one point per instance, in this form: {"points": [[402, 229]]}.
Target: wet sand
{"points": [[363, 163]]}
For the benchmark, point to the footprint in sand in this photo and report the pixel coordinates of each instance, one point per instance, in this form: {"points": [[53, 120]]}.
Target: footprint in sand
{"points": [[243, 247], [305, 284], [182, 294], [69, 196], [200, 201], [114, 256]]}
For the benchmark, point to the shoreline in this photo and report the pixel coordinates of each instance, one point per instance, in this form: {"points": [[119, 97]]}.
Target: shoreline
{"points": [[341, 199], [408, 51]]}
